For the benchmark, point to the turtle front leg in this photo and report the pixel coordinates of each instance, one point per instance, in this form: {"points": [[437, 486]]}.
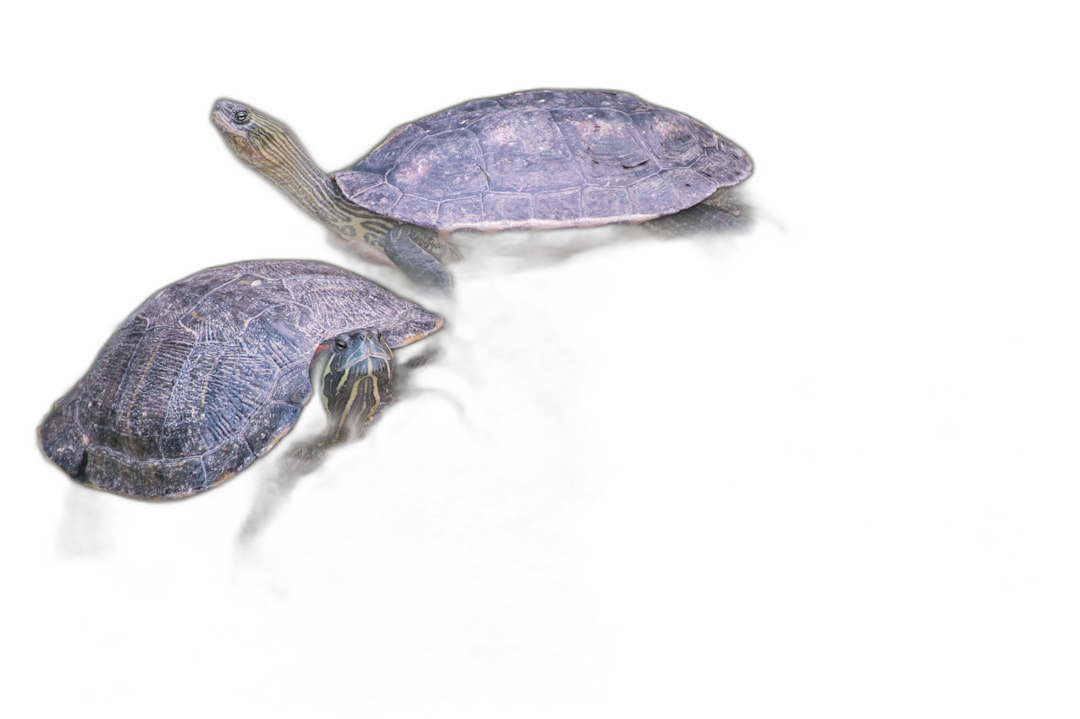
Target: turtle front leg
{"points": [[284, 469], [717, 224], [420, 253]]}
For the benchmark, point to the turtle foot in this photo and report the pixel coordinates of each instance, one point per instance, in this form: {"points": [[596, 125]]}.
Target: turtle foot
{"points": [[415, 261]]}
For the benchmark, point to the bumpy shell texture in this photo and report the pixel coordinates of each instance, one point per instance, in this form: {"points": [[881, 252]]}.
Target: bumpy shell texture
{"points": [[210, 372], [544, 159]]}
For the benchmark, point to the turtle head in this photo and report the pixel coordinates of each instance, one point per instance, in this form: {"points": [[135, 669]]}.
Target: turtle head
{"points": [[356, 382], [258, 139], [267, 145]]}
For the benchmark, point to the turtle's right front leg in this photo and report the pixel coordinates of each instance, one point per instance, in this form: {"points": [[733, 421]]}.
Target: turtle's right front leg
{"points": [[419, 253]]}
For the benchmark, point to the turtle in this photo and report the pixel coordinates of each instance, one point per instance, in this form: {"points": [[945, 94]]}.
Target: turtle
{"points": [[210, 372], [542, 159]]}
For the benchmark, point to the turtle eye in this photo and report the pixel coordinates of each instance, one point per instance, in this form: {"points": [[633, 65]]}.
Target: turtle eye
{"points": [[340, 345], [241, 117]]}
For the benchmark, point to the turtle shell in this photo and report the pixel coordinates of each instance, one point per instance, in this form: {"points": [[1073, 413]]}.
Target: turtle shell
{"points": [[544, 159], [211, 372]]}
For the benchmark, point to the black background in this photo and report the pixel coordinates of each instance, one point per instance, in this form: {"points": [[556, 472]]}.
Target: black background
{"points": [[786, 480]]}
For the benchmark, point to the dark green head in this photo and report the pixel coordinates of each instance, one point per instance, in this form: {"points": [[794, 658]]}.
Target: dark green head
{"points": [[356, 382]]}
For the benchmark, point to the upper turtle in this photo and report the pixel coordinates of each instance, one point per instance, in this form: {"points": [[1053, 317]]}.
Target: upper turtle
{"points": [[541, 159]]}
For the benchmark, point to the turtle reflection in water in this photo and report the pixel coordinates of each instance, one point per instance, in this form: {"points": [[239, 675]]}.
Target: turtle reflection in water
{"points": [[213, 370], [545, 159]]}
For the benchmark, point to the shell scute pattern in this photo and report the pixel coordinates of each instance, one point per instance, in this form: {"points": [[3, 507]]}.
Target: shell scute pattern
{"points": [[543, 159], [210, 372]]}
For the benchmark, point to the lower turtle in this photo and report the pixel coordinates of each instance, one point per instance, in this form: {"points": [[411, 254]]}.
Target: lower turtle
{"points": [[212, 371], [543, 159]]}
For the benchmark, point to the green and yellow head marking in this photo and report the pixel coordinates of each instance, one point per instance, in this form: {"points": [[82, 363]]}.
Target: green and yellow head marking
{"points": [[356, 383]]}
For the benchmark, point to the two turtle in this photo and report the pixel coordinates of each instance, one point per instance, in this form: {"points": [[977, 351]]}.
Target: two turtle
{"points": [[212, 371]]}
